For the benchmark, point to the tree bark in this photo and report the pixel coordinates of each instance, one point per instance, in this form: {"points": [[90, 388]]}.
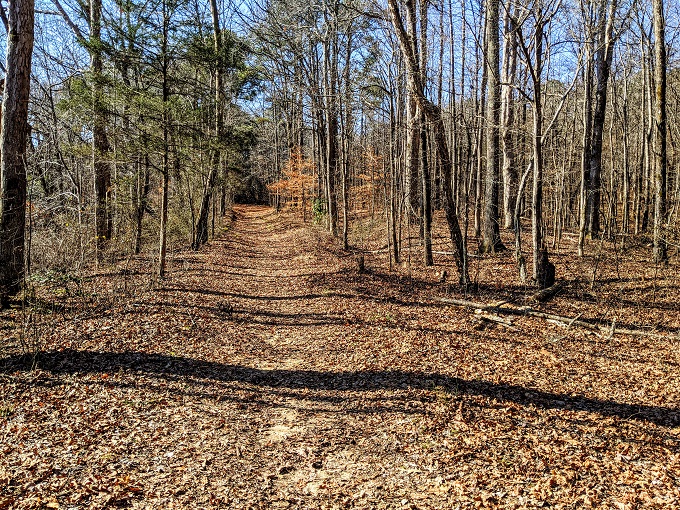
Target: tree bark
{"points": [[491, 238], [660, 163], [100, 142], [13, 140], [433, 115]]}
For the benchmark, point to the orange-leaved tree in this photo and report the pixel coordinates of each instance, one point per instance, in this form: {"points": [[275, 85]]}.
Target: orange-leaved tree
{"points": [[298, 184]]}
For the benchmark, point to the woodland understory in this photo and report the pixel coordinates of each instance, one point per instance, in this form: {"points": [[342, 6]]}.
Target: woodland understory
{"points": [[267, 371], [340, 254]]}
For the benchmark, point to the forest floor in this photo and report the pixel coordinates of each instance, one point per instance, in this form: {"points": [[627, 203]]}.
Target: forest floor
{"points": [[266, 372]]}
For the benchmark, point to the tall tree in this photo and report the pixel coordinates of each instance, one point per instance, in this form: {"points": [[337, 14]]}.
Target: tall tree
{"points": [[13, 141], [535, 52], [508, 76], [491, 238], [660, 163], [100, 141], [433, 115], [604, 51], [165, 168], [202, 224]]}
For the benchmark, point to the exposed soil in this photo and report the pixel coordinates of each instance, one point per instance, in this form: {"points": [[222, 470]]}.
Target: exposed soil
{"points": [[265, 372]]}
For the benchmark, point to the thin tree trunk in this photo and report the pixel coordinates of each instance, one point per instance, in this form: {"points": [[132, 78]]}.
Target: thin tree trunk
{"points": [[625, 226], [331, 66], [660, 163], [425, 174], [143, 189], [165, 61], [100, 142], [539, 262], [203, 216]]}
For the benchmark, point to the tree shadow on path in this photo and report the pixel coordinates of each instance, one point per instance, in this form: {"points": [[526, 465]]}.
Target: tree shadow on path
{"points": [[86, 362]]}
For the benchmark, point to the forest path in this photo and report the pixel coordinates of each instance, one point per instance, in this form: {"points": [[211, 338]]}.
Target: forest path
{"points": [[264, 372]]}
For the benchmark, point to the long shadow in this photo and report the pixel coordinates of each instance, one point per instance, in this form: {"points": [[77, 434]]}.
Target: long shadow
{"points": [[84, 362], [310, 296], [213, 271], [298, 319]]}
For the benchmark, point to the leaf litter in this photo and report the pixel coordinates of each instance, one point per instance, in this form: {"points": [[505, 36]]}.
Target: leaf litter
{"points": [[265, 372]]}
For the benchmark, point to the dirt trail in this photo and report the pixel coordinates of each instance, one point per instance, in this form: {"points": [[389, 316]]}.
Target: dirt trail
{"points": [[265, 373]]}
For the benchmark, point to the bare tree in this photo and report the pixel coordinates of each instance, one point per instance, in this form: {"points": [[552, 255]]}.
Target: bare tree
{"points": [[433, 115], [660, 163], [534, 52], [491, 238]]}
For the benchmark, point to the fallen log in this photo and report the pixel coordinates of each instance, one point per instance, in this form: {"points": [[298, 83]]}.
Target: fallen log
{"points": [[544, 295], [503, 308]]}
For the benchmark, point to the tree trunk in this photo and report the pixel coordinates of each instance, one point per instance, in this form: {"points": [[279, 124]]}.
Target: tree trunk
{"points": [[163, 239], [491, 238], [543, 270], [100, 142], [413, 122], [13, 140], [587, 142], [202, 225], [603, 63], [509, 170], [143, 189], [332, 153], [625, 225], [433, 116], [425, 174], [660, 245]]}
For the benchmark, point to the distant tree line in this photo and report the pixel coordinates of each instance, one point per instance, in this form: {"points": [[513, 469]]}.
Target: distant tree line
{"points": [[552, 110]]}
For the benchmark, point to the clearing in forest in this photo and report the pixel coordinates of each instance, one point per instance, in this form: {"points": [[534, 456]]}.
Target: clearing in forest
{"points": [[265, 372]]}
